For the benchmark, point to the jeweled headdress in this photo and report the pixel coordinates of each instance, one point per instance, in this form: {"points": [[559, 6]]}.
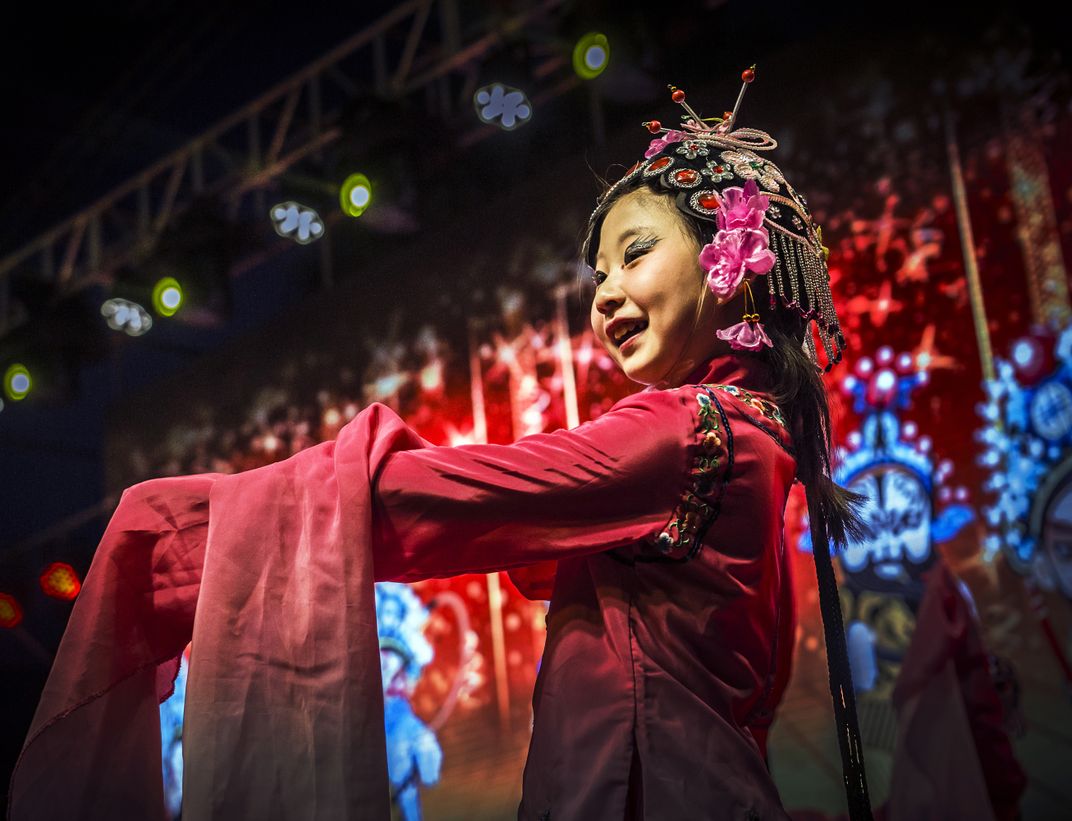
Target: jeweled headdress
{"points": [[763, 224]]}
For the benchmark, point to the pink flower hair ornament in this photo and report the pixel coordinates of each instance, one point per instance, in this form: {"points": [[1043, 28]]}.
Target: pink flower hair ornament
{"points": [[741, 244], [748, 334], [742, 207], [740, 248], [659, 143], [732, 255]]}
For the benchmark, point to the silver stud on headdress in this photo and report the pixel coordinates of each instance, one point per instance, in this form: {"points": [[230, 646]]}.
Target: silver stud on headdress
{"points": [[699, 159]]}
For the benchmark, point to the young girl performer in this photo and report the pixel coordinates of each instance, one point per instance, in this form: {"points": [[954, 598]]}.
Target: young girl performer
{"points": [[656, 531]]}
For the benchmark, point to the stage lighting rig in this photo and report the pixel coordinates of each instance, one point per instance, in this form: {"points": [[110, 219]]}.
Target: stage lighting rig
{"points": [[41, 359], [188, 268]]}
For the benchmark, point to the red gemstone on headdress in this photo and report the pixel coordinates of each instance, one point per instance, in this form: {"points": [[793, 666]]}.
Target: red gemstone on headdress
{"points": [[686, 175], [719, 169], [654, 126], [659, 164], [678, 96], [708, 200], [636, 165], [748, 75]]}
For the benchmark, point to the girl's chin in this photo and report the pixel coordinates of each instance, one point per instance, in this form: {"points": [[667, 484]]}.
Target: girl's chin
{"points": [[638, 371]]}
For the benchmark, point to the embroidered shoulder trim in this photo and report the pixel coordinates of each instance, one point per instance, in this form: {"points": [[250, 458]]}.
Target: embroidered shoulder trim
{"points": [[710, 471], [764, 406]]}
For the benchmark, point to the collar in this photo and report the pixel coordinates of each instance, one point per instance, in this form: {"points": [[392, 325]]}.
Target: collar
{"points": [[744, 370]]}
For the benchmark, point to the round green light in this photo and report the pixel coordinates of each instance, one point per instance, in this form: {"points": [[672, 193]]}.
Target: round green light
{"points": [[167, 296], [17, 382], [591, 55], [355, 195]]}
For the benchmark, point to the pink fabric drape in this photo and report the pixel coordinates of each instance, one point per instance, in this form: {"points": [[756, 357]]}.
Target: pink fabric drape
{"points": [[284, 703]]}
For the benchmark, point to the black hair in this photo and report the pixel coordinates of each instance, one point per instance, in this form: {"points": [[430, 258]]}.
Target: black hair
{"points": [[833, 511]]}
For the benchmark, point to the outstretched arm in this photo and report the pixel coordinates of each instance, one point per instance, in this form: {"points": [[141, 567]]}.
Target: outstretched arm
{"points": [[444, 511]]}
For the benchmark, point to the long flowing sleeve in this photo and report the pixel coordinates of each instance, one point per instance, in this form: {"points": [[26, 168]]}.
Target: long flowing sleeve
{"points": [[269, 573], [614, 481]]}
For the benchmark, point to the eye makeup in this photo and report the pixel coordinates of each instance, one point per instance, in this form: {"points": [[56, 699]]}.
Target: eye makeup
{"points": [[639, 247], [636, 249]]}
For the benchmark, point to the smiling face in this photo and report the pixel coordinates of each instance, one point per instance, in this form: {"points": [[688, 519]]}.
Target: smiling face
{"points": [[647, 269]]}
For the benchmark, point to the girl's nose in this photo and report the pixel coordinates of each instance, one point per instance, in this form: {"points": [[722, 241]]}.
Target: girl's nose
{"points": [[609, 296]]}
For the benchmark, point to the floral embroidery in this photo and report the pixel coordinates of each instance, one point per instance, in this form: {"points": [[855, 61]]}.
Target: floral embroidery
{"points": [[717, 172], [764, 406], [750, 166], [691, 150], [699, 505]]}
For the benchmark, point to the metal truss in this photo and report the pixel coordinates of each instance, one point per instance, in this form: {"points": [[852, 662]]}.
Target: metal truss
{"points": [[420, 46]]}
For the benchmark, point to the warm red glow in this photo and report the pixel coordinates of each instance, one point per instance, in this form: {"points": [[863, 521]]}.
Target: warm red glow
{"points": [[10, 612], [60, 581]]}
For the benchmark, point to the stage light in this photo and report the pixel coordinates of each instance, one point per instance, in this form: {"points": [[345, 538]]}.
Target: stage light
{"points": [[355, 195], [60, 581], [1024, 352], [124, 315], [10, 612], [332, 417], [591, 55], [17, 382], [298, 222], [503, 106], [167, 296]]}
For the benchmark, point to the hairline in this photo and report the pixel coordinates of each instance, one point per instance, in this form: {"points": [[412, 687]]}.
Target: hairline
{"points": [[641, 187]]}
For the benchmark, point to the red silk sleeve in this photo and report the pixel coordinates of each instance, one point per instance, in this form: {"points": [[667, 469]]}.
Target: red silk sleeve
{"points": [[445, 511]]}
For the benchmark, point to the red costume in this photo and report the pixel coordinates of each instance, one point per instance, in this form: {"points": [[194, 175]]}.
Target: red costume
{"points": [[666, 664], [670, 631]]}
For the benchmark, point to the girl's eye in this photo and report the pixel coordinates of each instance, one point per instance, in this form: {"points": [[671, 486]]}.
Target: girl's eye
{"points": [[638, 249], [635, 250]]}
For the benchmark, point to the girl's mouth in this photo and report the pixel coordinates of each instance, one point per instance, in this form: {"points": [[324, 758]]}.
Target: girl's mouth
{"points": [[630, 341]]}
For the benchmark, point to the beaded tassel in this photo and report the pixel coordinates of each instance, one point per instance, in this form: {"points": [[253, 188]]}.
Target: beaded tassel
{"points": [[808, 293]]}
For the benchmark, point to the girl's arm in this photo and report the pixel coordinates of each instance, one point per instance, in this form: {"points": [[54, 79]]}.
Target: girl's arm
{"points": [[620, 479]]}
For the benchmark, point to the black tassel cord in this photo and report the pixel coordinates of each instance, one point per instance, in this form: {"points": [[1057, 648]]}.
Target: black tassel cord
{"points": [[837, 659]]}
